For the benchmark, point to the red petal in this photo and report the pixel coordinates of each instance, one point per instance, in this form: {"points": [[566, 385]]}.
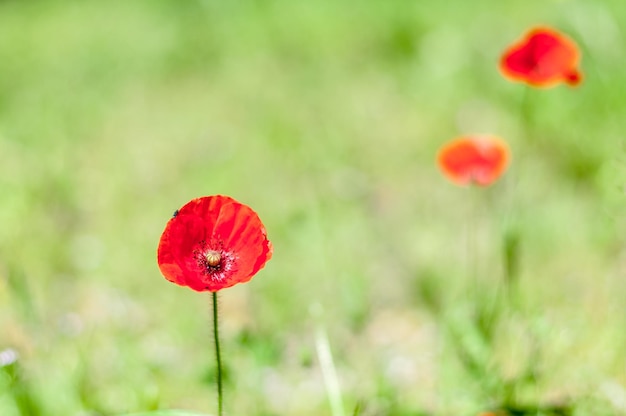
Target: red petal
{"points": [[543, 58], [178, 241], [475, 159], [242, 232]]}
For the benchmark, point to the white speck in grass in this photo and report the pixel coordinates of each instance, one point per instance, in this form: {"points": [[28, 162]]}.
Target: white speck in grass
{"points": [[8, 357], [615, 393]]}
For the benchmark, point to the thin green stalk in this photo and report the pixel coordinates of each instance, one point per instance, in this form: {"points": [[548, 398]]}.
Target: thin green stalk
{"points": [[329, 373], [218, 358], [325, 357], [472, 243], [526, 112], [511, 257]]}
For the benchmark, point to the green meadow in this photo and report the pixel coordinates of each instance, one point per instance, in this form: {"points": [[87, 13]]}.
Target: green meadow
{"points": [[326, 118]]}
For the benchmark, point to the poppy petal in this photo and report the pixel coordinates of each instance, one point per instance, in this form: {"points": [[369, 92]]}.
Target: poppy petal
{"points": [[240, 229], [180, 238], [474, 159], [543, 58]]}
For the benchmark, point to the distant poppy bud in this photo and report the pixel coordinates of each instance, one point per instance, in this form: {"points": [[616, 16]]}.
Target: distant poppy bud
{"points": [[212, 243], [479, 160], [543, 58]]}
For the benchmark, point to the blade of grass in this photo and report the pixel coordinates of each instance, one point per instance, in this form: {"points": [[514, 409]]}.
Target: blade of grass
{"points": [[327, 365]]}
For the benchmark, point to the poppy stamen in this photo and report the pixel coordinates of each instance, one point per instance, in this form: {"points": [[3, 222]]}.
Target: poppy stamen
{"points": [[213, 258]]}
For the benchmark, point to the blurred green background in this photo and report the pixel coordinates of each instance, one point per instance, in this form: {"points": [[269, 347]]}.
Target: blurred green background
{"points": [[325, 117]]}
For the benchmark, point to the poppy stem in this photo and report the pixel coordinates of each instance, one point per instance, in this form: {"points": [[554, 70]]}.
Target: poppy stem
{"points": [[472, 242], [526, 111], [218, 357], [528, 119]]}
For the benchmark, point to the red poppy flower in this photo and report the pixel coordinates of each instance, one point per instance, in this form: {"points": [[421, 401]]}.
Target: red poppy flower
{"points": [[212, 243], [543, 58], [474, 159]]}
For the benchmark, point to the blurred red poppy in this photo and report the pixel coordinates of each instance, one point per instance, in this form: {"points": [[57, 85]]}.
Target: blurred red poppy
{"points": [[212, 243], [479, 160], [543, 58]]}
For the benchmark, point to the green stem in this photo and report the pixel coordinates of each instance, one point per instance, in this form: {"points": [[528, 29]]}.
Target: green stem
{"points": [[218, 358], [526, 111], [472, 242]]}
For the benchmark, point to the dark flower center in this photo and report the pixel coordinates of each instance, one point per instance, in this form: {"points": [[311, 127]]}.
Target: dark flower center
{"points": [[216, 263]]}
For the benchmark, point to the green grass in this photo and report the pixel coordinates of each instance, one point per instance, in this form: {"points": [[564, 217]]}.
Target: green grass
{"points": [[325, 117]]}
